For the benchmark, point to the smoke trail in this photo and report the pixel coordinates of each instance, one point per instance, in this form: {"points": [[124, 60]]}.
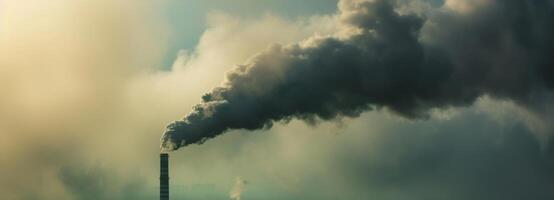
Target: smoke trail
{"points": [[405, 63], [238, 188]]}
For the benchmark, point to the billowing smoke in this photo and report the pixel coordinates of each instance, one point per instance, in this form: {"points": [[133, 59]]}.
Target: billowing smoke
{"points": [[238, 188], [408, 63]]}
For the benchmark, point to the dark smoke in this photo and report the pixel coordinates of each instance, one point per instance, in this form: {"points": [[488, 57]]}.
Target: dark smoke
{"points": [[405, 63]]}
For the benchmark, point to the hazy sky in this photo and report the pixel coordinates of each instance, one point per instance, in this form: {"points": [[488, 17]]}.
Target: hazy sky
{"points": [[88, 87], [188, 18]]}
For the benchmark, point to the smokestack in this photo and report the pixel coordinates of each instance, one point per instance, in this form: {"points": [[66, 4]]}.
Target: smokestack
{"points": [[164, 176]]}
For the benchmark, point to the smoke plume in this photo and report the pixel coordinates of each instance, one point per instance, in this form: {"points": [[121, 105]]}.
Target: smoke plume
{"points": [[408, 63], [238, 188]]}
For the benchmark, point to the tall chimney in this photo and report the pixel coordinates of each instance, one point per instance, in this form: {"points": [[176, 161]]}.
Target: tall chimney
{"points": [[164, 176]]}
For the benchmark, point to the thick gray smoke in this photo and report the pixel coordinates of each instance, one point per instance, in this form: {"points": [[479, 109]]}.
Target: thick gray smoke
{"points": [[403, 62]]}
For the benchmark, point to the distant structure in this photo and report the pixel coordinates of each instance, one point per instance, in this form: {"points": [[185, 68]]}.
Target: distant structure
{"points": [[164, 176]]}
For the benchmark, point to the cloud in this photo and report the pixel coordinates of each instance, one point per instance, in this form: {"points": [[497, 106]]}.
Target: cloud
{"points": [[63, 68], [471, 156]]}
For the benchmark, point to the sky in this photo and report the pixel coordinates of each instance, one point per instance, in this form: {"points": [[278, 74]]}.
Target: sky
{"points": [[313, 99], [188, 18]]}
